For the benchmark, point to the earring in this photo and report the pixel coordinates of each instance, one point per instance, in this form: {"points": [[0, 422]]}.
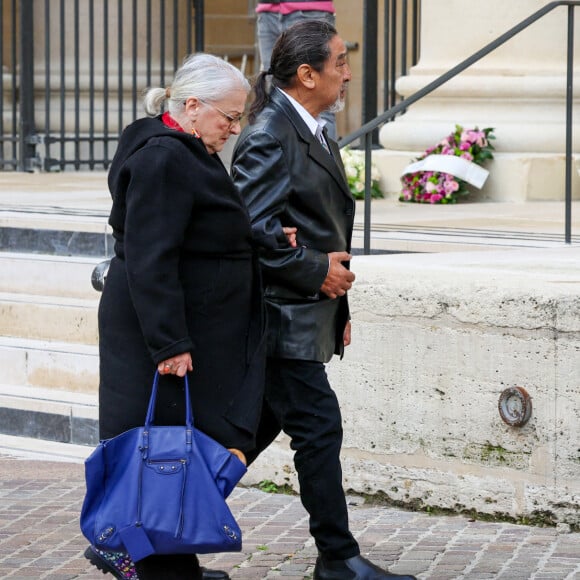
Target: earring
{"points": [[194, 133]]}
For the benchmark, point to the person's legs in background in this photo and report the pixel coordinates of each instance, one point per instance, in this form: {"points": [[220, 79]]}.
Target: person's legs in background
{"points": [[269, 25], [268, 28]]}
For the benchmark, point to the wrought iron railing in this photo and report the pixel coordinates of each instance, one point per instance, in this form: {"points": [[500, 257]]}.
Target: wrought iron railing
{"points": [[73, 70], [365, 134]]}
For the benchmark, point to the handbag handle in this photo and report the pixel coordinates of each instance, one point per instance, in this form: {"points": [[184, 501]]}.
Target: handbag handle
{"points": [[153, 400]]}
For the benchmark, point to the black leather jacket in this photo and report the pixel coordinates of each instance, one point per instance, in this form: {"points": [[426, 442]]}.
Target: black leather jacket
{"points": [[288, 179]]}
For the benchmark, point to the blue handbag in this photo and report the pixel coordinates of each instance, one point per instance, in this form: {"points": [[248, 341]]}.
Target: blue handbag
{"points": [[161, 490]]}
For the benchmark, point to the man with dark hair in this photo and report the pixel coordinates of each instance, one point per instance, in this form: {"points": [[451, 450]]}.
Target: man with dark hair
{"points": [[290, 173]]}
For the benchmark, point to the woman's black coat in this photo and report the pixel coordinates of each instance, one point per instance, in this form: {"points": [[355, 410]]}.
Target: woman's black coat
{"points": [[184, 278]]}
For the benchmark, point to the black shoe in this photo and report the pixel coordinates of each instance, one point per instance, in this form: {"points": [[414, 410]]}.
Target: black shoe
{"points": [[357, 568], [207, 574]]}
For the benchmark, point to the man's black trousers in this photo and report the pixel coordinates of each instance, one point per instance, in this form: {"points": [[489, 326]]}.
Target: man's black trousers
{"points": [[300, 401]]}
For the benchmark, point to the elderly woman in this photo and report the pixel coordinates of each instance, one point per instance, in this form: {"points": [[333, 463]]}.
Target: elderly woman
{"points": [[182, 292]]}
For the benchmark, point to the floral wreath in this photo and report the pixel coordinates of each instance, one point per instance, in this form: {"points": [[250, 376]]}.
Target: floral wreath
{"points": [[442, 179]]}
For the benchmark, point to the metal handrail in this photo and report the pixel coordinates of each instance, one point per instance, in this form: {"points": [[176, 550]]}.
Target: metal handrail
{"points": [[364, 133]]}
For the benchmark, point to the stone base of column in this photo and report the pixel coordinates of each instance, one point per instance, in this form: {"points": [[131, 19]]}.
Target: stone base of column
{"points": [[513, 177], [526, 110]]}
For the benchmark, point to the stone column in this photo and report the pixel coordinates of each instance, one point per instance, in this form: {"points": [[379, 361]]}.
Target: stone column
{"points": [[519, 89]]}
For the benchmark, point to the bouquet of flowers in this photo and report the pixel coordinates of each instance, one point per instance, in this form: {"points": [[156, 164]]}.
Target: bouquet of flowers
{"points": [[471, 145], [354, 166]]}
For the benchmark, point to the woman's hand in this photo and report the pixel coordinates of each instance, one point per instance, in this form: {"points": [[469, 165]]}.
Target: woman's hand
{"points": [[176, 365], [291, 235]]}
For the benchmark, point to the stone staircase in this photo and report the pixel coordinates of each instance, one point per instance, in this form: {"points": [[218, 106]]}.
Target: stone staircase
{"points": [[48, 326]]}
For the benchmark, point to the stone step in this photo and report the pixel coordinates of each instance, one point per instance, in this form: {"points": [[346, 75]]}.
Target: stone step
{"points": [[421, 238], [57, 366], [48, 414], [83, 231], [55, 231], [47, 275], [51, 318], [35, 448]]}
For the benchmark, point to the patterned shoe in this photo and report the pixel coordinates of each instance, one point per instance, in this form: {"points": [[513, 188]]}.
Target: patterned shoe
{"points": [[118, 564]]}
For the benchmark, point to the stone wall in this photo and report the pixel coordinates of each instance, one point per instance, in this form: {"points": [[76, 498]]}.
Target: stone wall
{"points": [[436, 339]]}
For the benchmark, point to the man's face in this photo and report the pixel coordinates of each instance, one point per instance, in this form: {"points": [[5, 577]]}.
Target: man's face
{"points": [[334, 77]]}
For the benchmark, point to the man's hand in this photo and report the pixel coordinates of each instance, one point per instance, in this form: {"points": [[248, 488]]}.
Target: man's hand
{"points": [[291, 235], [346, 335], [339, 279]]}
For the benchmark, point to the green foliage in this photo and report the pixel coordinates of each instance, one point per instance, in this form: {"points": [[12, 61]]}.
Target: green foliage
{"points": [[270, 487]]}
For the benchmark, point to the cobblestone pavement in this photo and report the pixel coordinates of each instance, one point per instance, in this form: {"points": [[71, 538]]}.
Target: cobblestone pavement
{"points": [[40, 536]]}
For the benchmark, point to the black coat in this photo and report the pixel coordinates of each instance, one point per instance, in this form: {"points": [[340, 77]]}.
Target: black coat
{"points": [[184, 278], [288, 179]]}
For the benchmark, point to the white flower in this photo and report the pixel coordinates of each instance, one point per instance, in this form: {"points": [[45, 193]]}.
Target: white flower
{"points": [[351, 171], [354, 167]]}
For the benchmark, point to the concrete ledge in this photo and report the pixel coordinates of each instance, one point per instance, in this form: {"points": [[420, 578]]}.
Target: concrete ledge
{"points": [[436, 339], [49, 415]]}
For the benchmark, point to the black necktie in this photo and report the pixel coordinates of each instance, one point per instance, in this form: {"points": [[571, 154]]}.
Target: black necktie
{"points": [[322, 139]]}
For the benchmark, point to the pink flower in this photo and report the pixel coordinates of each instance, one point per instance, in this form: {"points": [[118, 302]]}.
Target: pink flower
{"points": [[435, 198], [477, 137], [467, 156], [450, 186]]}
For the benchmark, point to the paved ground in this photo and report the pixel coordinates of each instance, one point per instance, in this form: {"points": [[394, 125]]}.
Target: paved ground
{"points": [[40, 537]]}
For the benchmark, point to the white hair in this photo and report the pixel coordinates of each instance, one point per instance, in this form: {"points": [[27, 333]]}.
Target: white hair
{"points": [[201, 75]]}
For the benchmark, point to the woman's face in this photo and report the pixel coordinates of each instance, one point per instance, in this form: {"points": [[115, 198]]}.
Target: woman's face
{"points": [[215, 121]]}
